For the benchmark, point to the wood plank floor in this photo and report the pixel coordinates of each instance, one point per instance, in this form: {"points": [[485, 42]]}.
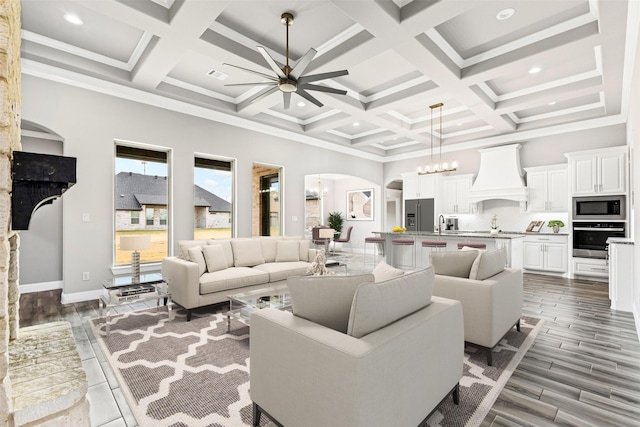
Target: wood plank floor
{"points": [[582, 370]]}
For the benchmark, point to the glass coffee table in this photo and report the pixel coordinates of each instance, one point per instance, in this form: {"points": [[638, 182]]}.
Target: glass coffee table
{"points": [[120, 290], [241, 305]]}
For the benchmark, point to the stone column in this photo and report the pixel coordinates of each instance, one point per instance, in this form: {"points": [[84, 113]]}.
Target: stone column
{"points": [[10, 104]]}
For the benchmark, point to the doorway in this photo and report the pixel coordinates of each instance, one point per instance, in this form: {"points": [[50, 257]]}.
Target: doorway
{"points": [[267, 201]]}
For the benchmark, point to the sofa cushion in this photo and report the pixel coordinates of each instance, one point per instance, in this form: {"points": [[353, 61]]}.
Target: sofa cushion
{"points": [[247, 252], [305, 245], [488, 264], [376, 305], [453, 263], [325, 300], [214, 257], [184, 245], [384, 271], [231, 278], [287, 251], [268, 244], [226, 246], [282, 270], [196, 255]]}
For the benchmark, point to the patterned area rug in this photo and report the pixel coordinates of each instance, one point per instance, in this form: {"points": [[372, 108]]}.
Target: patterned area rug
{"points": [[178, 373]]}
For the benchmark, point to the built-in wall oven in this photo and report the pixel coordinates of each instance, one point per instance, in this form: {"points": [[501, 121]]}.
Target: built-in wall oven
{"points": [[590, 238]]}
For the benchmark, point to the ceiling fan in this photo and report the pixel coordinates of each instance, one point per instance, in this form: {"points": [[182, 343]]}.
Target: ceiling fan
{"points": [[289, 79]]}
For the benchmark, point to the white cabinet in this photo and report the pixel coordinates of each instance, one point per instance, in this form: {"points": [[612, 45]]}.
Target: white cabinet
{"points": [[592, 267], [546, 253], [416, 186], [598, 171], [621, 276], [455, 194], [548, 188]]}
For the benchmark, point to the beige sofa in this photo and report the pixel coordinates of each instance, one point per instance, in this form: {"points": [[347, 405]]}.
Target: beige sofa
{"points": [[207, 271], [356, 353], [491, 295]]}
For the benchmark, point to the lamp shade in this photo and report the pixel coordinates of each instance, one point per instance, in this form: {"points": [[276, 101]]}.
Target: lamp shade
{"points": [[326, 233], [135, 243]]}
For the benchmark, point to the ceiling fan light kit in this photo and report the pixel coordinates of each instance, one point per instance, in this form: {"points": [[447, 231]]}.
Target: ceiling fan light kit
{"points": [[287, 79]]}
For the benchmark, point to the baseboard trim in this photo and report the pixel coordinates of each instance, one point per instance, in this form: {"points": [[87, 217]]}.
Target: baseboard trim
{"points": [[39, 287], [71, 298]]}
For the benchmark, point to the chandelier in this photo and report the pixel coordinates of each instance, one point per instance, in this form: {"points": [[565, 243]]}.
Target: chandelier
{"points": [[439, 166]]}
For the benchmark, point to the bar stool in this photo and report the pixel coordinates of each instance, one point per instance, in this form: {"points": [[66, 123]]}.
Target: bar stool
{"points": [[474, 245], [403, 241], [375, 241], [433, 245]]}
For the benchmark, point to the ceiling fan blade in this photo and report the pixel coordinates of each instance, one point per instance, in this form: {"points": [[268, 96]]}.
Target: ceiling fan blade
{"points": [[303, 93], [254, 84], [264, 94], [302, 64], [272, 63], [287, 99], [322, 76], [327, 89], [266, 76]]}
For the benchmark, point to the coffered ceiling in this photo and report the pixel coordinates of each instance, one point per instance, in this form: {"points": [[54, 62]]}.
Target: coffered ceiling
{"points": [[402, 56]]}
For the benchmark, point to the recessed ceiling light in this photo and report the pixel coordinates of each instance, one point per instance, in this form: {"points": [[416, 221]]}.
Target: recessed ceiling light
{"points": [[356, 124], [301, 104], [505, 14], [552, 103], [534, 70], [74, 19]]}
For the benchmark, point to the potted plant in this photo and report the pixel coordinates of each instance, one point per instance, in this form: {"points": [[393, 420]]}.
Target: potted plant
{"points": [[494, 224], [336, 220], [555, 224]]}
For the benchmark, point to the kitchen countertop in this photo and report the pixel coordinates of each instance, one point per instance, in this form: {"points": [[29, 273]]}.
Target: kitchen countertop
{"points": [[474, 234], [620, 240]]}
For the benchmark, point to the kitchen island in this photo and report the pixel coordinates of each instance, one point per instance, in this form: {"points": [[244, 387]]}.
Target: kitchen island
{"points": [[513, 242]]}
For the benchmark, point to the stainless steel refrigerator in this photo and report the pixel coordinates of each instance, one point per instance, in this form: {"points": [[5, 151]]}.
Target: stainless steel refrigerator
{"points": [[419, 214]]}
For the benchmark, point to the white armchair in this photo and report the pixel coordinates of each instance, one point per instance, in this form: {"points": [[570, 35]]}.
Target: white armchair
{"points": [[307, 374]]}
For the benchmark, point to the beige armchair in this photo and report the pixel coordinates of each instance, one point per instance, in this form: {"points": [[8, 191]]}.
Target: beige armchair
{"points": [[307, 374]]}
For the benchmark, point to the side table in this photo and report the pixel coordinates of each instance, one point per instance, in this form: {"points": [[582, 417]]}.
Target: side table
{"points": [[120, 291]]}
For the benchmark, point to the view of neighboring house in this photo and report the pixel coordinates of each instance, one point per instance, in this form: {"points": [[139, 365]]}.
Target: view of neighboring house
{"points": [[141, 204]]}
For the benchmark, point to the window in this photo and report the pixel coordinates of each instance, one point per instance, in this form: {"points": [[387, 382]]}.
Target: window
{"points": [[141, 190], [267, 203], [149, 215], [213, 197]]}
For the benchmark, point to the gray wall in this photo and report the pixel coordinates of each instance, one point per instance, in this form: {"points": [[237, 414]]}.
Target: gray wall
{"points": [[89, 122], [41, 244]]}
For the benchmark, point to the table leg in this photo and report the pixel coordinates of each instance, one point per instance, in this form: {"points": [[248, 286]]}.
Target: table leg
{"points": [[167, 302], [228, 322], [108, 319]]}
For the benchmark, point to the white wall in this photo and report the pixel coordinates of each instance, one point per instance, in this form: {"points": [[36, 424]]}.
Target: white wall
{"points": [[633, 136], [89, 122]]}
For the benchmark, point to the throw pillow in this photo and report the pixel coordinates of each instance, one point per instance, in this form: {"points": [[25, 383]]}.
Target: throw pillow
{"points": [[325, 300], [453, 263], [195, 255], [247, 252], [215, 258], [376, 305], [488, 264], [304, 249], [287, 251], [268, 244], [384, 271], [184, 245]]}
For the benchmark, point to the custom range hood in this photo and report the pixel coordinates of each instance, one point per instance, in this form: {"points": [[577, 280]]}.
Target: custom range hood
{"points": [[500, 176]]}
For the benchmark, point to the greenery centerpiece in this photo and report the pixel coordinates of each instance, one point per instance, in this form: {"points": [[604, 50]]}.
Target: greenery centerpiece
{"points": [[336, 221], [556, 224]]}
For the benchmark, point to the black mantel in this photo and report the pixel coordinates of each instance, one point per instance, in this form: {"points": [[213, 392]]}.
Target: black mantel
{"points": [[37, 180]]}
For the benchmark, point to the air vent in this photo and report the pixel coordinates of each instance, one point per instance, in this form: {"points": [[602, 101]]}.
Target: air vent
{"points": [[217, 74]]}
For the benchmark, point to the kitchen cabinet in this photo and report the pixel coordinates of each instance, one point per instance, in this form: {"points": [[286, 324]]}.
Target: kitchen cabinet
{"points": [[621, 274], [546, 253], [598, 171], [548, 188], [455, 194], [416, 186], [592, 267]]}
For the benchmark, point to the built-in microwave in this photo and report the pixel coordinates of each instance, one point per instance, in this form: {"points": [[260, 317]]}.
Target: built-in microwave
{"points": [[599, 208]]}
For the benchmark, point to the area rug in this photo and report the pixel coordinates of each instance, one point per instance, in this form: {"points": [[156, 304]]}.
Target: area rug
{"points": [[178, 373]]}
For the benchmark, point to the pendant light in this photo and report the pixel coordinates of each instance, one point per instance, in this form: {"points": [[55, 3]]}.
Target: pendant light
{"points": [[439, 166]]}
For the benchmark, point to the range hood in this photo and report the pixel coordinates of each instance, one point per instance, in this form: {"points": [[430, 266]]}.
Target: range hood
{"points": [[500, 176]]}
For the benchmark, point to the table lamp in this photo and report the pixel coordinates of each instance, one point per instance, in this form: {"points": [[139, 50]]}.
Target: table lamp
{"points": [[326, 233], [135, 244]]}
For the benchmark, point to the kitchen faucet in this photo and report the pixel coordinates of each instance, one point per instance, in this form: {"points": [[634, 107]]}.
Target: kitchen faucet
{"points": [[440, 221]]}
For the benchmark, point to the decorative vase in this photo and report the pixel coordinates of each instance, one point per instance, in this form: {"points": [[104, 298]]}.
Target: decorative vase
{"points": [[494, 231], [556, 228]]}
